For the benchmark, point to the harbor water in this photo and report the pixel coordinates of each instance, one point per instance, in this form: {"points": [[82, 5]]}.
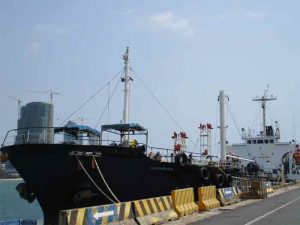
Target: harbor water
{"points": [[12, 206]]}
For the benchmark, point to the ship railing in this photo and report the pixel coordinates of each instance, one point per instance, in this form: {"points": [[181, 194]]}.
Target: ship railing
{"points": [[21, 136], [229, 164], [168, 155], [46, 135]]}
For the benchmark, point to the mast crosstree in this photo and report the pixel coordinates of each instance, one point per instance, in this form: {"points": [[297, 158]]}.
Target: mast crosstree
{"points": [[263, 99]]}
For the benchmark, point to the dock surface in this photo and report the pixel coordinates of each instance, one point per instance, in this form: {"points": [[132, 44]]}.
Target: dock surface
{"points": [[277, 210]]}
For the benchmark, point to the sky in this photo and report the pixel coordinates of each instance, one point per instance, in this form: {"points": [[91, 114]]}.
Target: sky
{"points": [[185, 52]]}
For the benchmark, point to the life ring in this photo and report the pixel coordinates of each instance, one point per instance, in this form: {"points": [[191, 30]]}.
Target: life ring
{"points": [[181, 159]]}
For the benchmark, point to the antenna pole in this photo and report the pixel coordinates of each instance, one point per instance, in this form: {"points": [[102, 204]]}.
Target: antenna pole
{"points": [[263, 105]]}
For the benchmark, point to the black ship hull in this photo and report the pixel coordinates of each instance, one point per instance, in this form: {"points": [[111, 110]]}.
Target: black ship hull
{"points": [[53, 173]]}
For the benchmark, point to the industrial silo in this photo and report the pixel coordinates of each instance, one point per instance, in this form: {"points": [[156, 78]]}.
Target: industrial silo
{"points": [[35, 123]]}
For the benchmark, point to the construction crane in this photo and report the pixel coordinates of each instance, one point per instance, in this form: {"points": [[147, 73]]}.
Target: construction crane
{"points": [[19, 103], [46, 92]]}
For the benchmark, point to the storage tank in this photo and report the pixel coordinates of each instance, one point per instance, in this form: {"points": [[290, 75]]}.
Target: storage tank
{"points": [[37, 120]]}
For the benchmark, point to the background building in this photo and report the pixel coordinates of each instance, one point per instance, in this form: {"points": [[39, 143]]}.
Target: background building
{"points": [[35, 123]]}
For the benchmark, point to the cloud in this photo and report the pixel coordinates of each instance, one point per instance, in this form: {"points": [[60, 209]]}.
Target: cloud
{"points": [[127, 13], [170, 22], [240, 15], [34, 47], [50, 29], [256, 15]]}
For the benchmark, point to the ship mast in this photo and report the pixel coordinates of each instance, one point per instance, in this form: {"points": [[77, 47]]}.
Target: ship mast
{"points": [[263, 99], [126, 78]]}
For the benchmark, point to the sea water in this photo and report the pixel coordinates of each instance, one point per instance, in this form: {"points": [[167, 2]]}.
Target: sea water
{"points": [[12, 206]]}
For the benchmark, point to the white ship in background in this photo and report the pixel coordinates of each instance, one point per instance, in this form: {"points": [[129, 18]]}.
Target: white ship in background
{"points": [[266, 150]]}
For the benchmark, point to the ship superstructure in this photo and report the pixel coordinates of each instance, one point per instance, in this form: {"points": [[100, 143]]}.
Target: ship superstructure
{"points": [[264, 148]]}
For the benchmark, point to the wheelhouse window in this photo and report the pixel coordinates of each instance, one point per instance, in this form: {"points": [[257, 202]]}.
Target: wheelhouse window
{"points": [[260, 141], [253, 141], [249, 142], [272, 141], [266, 141]]}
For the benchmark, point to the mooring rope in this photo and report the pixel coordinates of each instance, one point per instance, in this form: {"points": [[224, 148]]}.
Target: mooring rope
{"points": [[92, 179], [104, 180], [221, 170]]}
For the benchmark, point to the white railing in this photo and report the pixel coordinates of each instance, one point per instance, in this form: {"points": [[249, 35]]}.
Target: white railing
{"points": [[46, 135]]}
